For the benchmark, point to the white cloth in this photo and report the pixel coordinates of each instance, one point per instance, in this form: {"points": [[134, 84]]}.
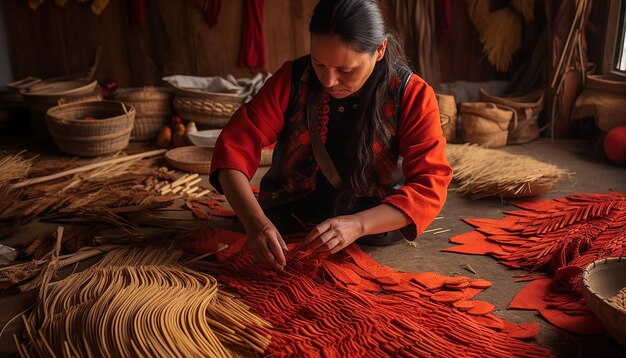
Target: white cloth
{"points": [[246, 87]]}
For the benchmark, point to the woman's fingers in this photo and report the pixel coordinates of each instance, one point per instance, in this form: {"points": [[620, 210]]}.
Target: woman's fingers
{"points": [[276, 250], [329, 245], [319, 243], [317, 231]]}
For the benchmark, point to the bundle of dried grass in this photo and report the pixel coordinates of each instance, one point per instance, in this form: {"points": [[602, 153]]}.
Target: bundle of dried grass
{"points": [[141, 302], [501, 30], [488, 172], [13, 167], [106, 193], [502, 37]]}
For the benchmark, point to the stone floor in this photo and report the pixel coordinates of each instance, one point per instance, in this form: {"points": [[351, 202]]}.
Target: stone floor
{"points": [[591, 174]]}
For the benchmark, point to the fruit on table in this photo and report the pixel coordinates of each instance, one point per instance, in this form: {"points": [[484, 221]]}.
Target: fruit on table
{"points": [[165, 137]]}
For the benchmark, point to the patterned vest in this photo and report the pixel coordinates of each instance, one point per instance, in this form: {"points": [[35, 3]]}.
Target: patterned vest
{"points": [[294, 170]]}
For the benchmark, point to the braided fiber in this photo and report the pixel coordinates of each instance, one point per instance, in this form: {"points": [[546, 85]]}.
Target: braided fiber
{"points": [[138, 303]]}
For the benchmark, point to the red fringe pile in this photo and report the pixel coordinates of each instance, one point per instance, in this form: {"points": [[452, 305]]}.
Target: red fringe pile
{"points": [[560, 237], [348, 305]]}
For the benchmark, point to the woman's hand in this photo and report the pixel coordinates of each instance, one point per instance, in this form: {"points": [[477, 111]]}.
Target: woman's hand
{"points": [[265, 243], [334, 234]]}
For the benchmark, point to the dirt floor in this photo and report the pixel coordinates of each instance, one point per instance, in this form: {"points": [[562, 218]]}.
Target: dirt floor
{"points": [[591, 174]]}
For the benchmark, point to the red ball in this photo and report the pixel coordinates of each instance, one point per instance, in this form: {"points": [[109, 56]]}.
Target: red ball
{"points": [[615, 145]]}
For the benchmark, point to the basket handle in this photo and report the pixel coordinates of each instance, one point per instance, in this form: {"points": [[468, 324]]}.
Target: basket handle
{"points": [[508, 108], [505, 108], [444, 119]]}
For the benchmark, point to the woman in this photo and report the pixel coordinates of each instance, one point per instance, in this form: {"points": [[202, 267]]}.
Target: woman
{"points": [[353, 103]]}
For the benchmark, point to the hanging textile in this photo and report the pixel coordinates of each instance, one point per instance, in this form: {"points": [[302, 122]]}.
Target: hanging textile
{"points": [[348, 305], [417, 26], [444, 19], [559, 237], [138, 12], [252, 49], [212, 11]]}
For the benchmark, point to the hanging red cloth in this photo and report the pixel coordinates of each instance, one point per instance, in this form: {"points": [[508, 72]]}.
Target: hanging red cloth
{"points": [[443, 19], [138, 11], [252, 50], [212, 11]]}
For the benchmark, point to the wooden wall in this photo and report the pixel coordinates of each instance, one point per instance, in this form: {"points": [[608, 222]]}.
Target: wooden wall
{"points": [[175, 38]]}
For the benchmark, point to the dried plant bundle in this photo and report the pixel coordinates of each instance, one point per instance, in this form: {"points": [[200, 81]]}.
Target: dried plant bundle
{"points": [[502, 37], [13, 167], [483, 172], [141, 302]]}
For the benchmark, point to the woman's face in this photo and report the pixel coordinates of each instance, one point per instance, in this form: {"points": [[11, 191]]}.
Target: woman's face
{"points": [[341, 70]]}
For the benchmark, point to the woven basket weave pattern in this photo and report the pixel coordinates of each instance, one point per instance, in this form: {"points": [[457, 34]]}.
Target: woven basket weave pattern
{"points": [[209, 109], [108, 134]]}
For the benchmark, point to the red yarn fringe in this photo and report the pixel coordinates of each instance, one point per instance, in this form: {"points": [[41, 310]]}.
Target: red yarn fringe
{"points": [[348, 305], [560, 237]]}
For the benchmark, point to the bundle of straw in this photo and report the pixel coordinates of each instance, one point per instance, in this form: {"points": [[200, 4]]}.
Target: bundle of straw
{"points": [[14, 167], [502, 37], [501, 30], [483, 172], [141, 302]]}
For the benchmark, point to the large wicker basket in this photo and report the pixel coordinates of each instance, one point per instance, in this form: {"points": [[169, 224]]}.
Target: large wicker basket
{"points": [[47, 95], [208, 109], [153, 108], [486, 124], [603, 279], [109, 133]]}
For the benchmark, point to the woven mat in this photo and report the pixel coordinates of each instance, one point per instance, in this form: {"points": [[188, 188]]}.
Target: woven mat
{"points": [[348, 305], [557, 238]]}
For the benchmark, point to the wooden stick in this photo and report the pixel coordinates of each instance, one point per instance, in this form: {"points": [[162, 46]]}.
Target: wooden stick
{"points": [[88, 167]]}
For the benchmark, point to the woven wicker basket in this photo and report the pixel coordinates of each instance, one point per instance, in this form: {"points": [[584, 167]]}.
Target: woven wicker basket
{"points": [[43, 97], [148, 101], [108, 134], [153, 109], [266, 157], [603, 279], [208, 109], [486, 124], [448, 115], [527, 107]]}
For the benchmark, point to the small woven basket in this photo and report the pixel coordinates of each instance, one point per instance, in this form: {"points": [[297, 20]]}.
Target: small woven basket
{"points": [[109, 133], [603, 279], [208, 109], [153, 108], [448, 115]]}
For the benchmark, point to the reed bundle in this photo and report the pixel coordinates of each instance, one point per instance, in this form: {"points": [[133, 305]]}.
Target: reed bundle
{"points": [[106, 193], [483, 172], [141, 302], [501, 30], [13, 167]]}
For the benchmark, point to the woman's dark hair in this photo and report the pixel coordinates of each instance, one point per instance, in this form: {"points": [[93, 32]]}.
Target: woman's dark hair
{"points": [[360, 25]]}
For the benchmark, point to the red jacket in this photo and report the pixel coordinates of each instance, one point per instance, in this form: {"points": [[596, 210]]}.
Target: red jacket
{"points": [[420, 140]]}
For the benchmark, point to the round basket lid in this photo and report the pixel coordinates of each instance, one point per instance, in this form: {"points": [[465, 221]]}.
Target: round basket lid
{"points": [[61, 88], [191, 158]]}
